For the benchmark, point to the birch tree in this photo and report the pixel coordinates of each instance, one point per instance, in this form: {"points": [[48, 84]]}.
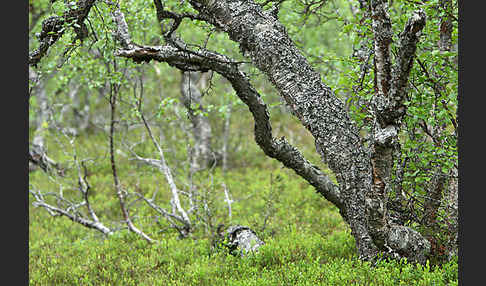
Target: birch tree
{"points": [[363, 167]]}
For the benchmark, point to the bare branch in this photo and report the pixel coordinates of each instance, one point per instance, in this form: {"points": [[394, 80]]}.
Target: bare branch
{"points": [[204, 60], [226, 133], [119, 192], [56, 210], [279, 149], [162, 165], [69, 209], [227, 199], [169, 216]]}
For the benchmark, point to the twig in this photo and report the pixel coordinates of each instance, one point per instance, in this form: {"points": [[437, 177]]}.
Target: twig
{"points": [[227, 199], [113, 96]]}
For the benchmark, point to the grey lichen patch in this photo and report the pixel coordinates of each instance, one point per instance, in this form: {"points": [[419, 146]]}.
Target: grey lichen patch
{"points": [[408, 243], [385, 136], [243, 240]]}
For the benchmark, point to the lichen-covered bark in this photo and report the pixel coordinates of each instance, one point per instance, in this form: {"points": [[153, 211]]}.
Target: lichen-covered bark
{"points": [[382, 31], [204, 60], [406, 242], [53, 28], [265, 41], [279, 149], [363, 174], [391, 87], [390, 109]]}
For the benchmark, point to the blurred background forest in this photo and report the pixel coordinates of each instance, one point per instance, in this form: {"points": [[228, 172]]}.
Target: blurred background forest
{"points": [[176, 153]]}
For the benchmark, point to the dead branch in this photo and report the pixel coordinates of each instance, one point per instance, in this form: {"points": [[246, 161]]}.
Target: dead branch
{"points": [[70, 209], [119, 192]]}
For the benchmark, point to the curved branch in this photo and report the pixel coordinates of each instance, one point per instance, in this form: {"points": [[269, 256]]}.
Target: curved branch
{"points": [[53, 28], [279, 149], [163, 14], [70, 213], [262, 37], [265, 40], [204, 60]]}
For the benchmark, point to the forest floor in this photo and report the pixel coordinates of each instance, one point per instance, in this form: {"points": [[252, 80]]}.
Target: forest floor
{"points": [[306, 240]]}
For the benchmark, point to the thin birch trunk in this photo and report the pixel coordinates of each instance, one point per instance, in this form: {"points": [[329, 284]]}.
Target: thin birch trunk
{"points": [[191, 97]]}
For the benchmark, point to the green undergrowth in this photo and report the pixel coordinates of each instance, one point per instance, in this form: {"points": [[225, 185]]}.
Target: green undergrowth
{"points": [[307, 241], [292, 258]]}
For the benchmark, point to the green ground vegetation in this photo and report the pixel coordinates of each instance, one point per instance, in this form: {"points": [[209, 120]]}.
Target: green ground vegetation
{"points": [[306, 240]]}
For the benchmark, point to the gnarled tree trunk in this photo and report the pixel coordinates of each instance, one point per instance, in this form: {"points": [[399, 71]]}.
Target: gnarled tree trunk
{"points": [[362, 174]]}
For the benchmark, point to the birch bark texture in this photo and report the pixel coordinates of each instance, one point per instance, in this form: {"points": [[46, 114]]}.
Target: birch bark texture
{"points": [[53, 28], [264, 39]]}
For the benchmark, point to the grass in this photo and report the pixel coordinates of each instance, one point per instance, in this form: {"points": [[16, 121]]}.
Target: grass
{"points": [[307, 242], [292, 258]]}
